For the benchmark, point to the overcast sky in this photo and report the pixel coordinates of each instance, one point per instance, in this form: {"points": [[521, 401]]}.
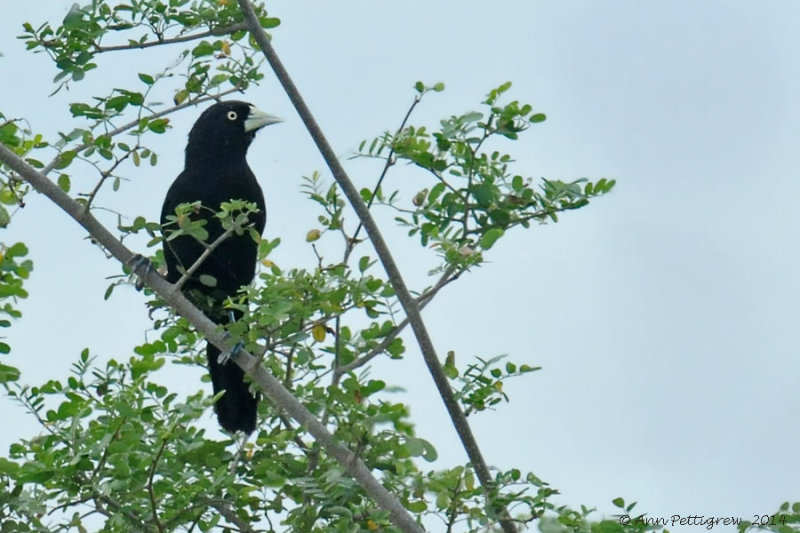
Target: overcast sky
{"points": [[665, 315]]}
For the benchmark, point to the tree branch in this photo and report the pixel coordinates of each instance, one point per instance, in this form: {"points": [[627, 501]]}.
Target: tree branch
{"points": [[271, 387], [52, 164], [131, 516], [150, 492], [105, 174], [200, 260], [231, 516], [182, 39], [393, 272]]}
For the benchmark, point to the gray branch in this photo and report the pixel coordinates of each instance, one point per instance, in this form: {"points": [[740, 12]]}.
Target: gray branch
{"points": [[392, 271]]}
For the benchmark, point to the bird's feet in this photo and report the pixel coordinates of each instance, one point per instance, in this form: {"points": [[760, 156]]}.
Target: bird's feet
{"points": [[139, 266], [227, 355]]}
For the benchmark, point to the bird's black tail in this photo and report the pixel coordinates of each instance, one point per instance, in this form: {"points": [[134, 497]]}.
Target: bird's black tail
{"points": [[237, 408]]}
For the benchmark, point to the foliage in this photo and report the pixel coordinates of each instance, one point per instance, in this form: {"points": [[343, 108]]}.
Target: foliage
{"points": [[474, 197], [119, 451], [14, 270]]}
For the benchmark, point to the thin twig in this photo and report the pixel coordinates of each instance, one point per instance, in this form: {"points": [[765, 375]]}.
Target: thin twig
{"points": [[125, 127], [231, 516], [386, 166], [217, 32], [105, 174], [131, 516], [393, 272], [102, 462], [200, 260], [150, 492]]}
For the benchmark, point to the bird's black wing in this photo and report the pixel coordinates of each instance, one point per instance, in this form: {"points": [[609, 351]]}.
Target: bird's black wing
{"points": [[232, 265]]}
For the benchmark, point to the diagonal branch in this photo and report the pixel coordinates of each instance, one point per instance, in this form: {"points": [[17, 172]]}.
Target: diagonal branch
{"points": [[393, 272], [272, 388], [200, 260]]}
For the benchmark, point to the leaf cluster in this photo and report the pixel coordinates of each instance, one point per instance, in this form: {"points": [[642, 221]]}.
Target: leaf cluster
{"points": [[474, 196], [14, 270]]}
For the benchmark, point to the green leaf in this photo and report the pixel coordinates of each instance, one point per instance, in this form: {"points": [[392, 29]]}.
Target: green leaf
{"points": [[618, 502], [17, 250], [203, 49], [269, 22], [146, 78], [8, 467], [472, 116], [436, 191], [607, 526], [417, 506], [180, 96], [429, 454], [537, 117], [207, 280], [313, 235], [65, 159], [63, 182], [490, 237], [158, 125], [8, 373], [117, 103], [74, 18]]}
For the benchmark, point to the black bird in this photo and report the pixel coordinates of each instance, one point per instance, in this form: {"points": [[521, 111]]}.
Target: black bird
{"points": [[216, 171]]}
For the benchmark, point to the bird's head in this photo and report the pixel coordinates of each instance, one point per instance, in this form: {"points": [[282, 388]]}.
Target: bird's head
{"points": [[226, 129]]}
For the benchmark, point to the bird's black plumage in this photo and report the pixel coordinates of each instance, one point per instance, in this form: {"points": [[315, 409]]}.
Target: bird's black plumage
{"points": [[216, 171]]}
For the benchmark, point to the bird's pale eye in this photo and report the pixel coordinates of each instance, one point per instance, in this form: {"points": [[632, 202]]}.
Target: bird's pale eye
{"points": [[232, 115]]}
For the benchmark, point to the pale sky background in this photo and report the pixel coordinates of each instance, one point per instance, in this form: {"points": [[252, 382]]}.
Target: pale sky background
{"points": [[665, 314]]}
